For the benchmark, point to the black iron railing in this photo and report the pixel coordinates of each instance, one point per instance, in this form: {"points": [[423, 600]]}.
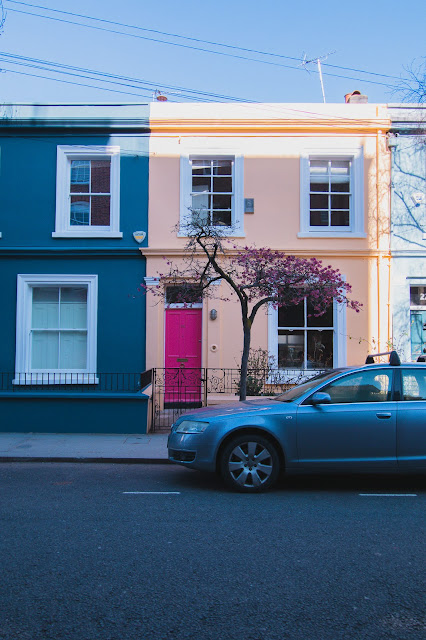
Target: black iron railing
{"points": [[176, 391], [73, 382]]}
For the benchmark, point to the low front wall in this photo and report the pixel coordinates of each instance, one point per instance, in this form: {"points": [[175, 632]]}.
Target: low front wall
{"points": [[73, 412]]}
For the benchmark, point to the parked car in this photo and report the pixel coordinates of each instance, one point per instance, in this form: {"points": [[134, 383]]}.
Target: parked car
{"points": [[359, 419]]}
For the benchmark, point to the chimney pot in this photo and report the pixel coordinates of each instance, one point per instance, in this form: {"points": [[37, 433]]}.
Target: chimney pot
{"points": [[356, 97]]}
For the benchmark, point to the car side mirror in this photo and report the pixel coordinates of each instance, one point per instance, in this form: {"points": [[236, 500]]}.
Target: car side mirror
{"points": [[320, 398]]}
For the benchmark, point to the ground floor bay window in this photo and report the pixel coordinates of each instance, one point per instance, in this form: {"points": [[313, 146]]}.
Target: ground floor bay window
{"points": [[56, 328], [300, 340]]}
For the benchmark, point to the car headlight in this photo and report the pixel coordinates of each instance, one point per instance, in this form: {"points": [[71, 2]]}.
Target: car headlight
{"points": [[191, 426]]}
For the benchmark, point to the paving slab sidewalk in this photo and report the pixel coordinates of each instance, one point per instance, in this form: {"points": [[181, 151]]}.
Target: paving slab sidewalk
{"points": [[82, 447]]}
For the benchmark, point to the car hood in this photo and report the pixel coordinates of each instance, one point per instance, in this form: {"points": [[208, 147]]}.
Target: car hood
{"points": [[234, 408]]}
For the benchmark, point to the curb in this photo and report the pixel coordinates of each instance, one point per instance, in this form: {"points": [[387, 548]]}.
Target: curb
{"points": [[85, 459]]}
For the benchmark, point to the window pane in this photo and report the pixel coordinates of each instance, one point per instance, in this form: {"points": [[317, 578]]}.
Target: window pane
{"points": [[326, 320], [222, 185], [319, 219], [100, 211], [339, 167], [320, 349], [339, 201], [45, 308], [319, 201], [201, 167], [200, 184], [340, 184], [318, 167], [80, 176], [73, 308], [73, 294], [222, 167], [44, 349], [340, 218], [291, 346], [184, 293], [201, 202], [319, 184], [100, 178], [73, 350], [222, 218], [291, 316], [417, 333], [368, 386], [222, 202], [413, 385], [80, 210], [418, 296], [46, 294], [73, 315], [201, 216]]}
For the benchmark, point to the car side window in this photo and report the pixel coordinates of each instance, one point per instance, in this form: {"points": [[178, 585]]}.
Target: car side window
{"points": [[364, 386], [413, 384]]}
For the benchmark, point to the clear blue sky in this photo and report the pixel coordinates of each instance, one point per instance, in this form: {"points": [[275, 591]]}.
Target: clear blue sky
{"points": [[370, 35]]}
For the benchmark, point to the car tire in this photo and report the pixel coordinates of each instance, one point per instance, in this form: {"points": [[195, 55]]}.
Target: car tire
{"points": [[250, 463]]}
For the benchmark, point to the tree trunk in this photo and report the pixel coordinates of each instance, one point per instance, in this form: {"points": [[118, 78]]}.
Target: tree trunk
{"points": [[244, 359]]}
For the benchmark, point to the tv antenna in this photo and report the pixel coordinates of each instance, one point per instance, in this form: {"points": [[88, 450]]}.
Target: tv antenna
{"points": [[318, 61]]}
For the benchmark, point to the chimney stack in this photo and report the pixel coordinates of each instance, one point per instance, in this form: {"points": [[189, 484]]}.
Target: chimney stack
{"points": [[355, 97]]}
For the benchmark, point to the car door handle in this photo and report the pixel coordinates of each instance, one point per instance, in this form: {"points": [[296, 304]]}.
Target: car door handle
{"points": [[383, 416]]}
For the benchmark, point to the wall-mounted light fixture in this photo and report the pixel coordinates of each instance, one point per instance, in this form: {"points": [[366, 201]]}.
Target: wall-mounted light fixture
{"points": [[213, 314]]}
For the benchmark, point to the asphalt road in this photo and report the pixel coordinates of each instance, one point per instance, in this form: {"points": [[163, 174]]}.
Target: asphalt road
{"points": [[85, 558]]}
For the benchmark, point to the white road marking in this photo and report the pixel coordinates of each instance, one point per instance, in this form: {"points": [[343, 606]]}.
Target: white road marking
{"points": [[389, 495], [157, 493]]}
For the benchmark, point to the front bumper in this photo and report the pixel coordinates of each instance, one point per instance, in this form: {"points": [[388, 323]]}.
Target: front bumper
{"points": [[192, 450]]}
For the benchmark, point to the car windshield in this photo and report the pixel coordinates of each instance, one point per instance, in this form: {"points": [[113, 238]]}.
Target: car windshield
{"points": [[298, 391]]}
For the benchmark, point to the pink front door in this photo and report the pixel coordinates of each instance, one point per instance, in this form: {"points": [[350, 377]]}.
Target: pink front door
{"points": [[183, 356]]}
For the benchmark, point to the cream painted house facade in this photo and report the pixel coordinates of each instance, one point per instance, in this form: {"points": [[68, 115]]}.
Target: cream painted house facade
{"points": [[310, 180]]}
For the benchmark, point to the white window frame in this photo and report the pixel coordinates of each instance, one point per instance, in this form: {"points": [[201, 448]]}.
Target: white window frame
{"points": [[24, 374], [237, 214], [355, 155], [63, 228], [339, 336]]}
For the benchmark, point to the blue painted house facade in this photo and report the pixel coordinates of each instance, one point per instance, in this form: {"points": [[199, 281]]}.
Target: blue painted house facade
{"points": [[73, 194], [407, 143]]}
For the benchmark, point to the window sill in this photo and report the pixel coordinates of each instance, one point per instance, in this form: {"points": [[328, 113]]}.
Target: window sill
{"points": [[47, 379], [234, 234], [87, 234], [331, 234]]}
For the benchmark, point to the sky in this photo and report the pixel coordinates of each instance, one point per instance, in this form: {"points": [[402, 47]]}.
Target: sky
{"points": [[233, 50]]}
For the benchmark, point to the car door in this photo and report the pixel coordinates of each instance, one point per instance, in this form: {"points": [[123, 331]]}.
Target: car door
{"points": [[357, 430], [411, 419]]}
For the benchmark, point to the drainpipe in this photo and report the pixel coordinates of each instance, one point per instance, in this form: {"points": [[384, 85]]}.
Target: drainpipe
{"points": [[392, 141], [377, 240]]}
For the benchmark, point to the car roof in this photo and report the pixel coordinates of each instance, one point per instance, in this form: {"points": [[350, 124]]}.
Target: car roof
{"points": [[378, 365]]}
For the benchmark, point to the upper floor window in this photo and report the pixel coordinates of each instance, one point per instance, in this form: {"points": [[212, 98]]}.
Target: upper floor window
{"points": [[212, 190], [88, 192], [329, 194], [332, 195]]}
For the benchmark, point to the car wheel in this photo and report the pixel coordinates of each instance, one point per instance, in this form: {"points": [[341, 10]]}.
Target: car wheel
{"points": [[250, 463]]}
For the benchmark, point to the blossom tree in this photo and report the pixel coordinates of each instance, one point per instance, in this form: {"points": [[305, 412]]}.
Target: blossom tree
{"points": [[257, 276]]}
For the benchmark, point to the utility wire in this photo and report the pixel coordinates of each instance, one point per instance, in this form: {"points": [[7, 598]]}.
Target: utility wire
{"points": [[277, 110], [179, 92], [109, 77], [192, 39], [80, 84], [194, 48]]}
